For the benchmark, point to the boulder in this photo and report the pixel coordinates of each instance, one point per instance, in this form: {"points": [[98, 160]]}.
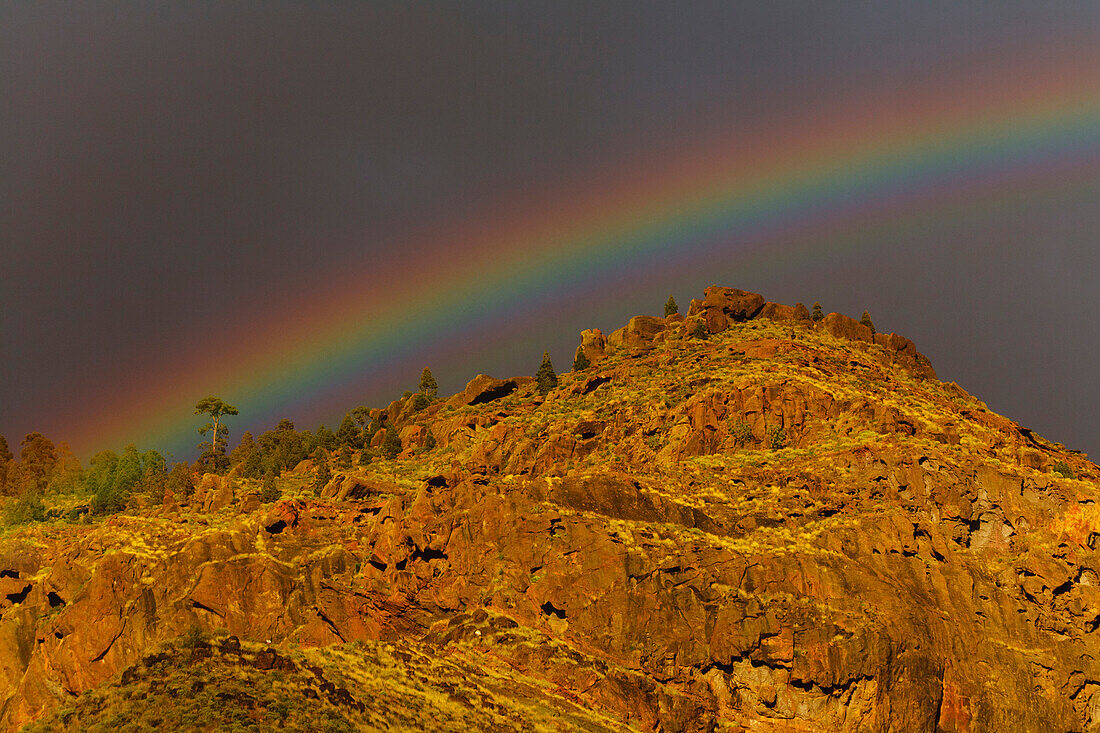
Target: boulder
{"points": [[484, 388], [593, 344], [249, 503], [897, 344], [638, 332], [738, 305], [716, 320], [217, 492], [777, 312], [414, 436], [785, 313], [842, 326], [722, 306], [343, 487], [900, 350]]}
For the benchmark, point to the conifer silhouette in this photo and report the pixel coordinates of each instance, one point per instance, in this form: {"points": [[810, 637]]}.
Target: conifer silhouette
{"points": [[546, 376], [391, 444], [866, 321], [428, 386], [349, 434]]}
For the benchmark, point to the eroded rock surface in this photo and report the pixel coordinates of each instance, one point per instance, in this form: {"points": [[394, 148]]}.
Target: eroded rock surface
{"points": [[786, 526]]}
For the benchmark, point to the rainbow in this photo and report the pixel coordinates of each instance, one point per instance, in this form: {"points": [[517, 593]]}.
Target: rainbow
{"points": [[869, 161]]}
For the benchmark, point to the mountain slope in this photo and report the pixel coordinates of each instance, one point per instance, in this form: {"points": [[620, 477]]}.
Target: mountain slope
{"points": [[738, 519]]}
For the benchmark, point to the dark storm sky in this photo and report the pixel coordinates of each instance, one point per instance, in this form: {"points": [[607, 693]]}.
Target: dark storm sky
{"points": [[167, 170]]}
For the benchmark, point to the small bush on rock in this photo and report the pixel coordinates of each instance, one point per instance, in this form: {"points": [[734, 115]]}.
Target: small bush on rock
{"points": [[741, 433], [777, 438], [269, 492], [391, 445]]}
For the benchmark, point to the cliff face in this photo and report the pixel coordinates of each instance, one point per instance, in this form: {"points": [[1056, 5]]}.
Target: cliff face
{"points": [[785, 526]]}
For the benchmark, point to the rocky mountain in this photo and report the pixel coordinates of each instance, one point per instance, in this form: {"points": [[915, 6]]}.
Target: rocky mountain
{"points": [[737, 519]]}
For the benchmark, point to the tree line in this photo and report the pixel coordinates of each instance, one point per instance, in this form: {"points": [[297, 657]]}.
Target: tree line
{"points": [[112, 480]]}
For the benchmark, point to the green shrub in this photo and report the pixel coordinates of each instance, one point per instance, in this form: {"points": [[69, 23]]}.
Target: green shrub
{"points": [[343, 459], [109, 498], [280, 709], [420, 402], [1062, 469], [580, 361], [817, 314], [269, 492], [777, 438], [742, 433], [27, 508], [193, 637], [671, 307], [700, 331], [391, 445], [321, 473]]}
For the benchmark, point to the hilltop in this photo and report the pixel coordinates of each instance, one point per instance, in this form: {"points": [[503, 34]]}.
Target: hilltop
{"points": [[740, 518]]}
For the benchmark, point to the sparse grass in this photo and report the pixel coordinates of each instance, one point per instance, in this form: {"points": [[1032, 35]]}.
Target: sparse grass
{"points": [[785, 492]]}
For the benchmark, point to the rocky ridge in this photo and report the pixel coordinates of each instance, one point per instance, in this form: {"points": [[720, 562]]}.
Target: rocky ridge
{"points": [[789, 525]]}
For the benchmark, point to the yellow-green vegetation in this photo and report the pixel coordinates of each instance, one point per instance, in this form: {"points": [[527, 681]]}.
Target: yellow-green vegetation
{"points": [[537, 558], [201, 684]]}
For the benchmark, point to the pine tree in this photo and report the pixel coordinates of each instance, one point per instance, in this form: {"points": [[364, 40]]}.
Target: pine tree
{"points": [[671, 307], [362, 416], [546, 376], [326, 438], [180, 481], [372, 429], [580, 361], [348, 434], [213, 452], [343, 458], [5, 461], [391, 444], [428, 386], [321, 473], [253, 466], [37, 459], [269, 492], [817, 314], [866, 321], [246, 445]]}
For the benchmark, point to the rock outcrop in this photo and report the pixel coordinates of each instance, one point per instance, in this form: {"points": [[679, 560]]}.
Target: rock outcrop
{"points": [[639, 332], [784, 526], [593, 345]]}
